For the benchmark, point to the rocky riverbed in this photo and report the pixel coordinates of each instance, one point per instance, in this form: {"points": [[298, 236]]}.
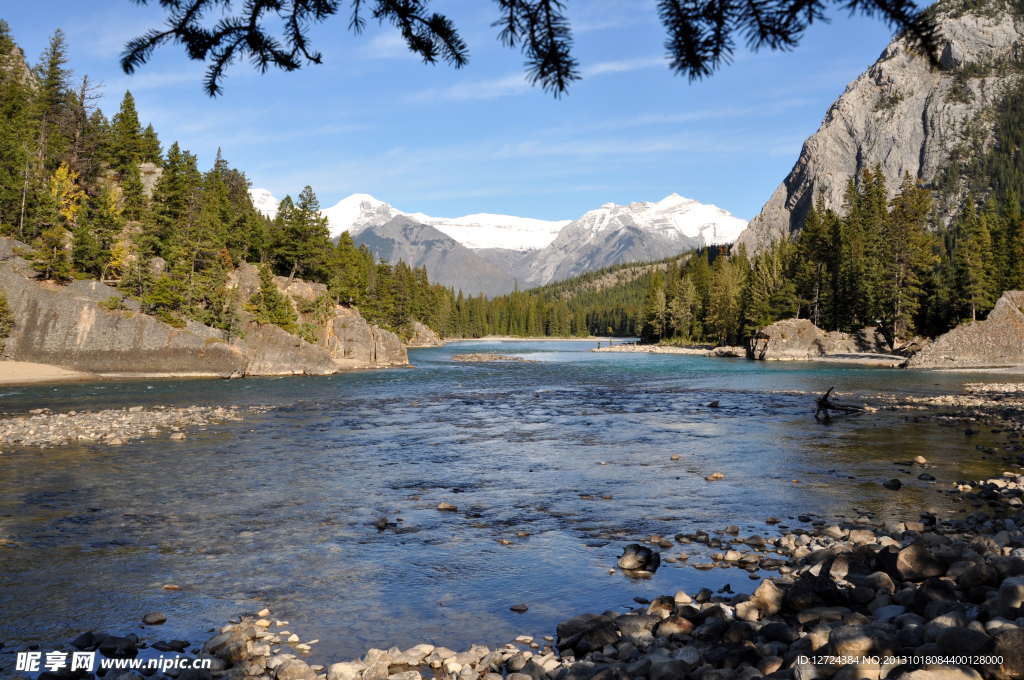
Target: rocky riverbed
{"points": [[697, 350], [111, 427], [482, 358], [936, 599]]}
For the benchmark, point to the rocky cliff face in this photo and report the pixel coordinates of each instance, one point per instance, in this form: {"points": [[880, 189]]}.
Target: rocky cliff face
{"points": [[67, 326], [348, 339], [995, 342], [424, 337], [353, 343], [901, 113]]}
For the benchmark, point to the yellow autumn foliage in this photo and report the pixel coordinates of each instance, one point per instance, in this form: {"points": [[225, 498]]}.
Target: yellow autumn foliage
{"points": [[66, 192]]}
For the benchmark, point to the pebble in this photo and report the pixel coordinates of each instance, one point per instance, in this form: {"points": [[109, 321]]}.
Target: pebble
{"points": [[519, 608], [154, 619], [447, 507]]}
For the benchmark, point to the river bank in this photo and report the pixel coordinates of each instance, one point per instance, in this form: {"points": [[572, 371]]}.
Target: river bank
{"points": [[554, 468], [855, 597]]}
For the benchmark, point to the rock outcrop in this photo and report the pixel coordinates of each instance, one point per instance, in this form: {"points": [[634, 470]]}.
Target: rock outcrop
{"points": [[997, 341], [423, 337], [901, 113], [72, 327], [349, 340], [795, 340], [801, 340], [352, 342], [56, 326]]}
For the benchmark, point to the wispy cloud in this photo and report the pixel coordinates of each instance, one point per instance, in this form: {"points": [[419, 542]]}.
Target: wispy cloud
{"points": [[481, 89], [599, 15], [389, 45], [623, 66]]}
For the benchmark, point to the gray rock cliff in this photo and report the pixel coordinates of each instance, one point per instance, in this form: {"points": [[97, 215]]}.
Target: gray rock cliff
{"points": [[995, 342], [349, 340], [67, 326], [900, 113]]}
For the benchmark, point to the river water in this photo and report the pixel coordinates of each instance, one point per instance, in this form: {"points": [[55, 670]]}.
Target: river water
{"points": [[279, 510]]}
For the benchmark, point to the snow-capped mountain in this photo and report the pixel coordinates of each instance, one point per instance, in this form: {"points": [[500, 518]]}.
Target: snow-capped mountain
{"points": [[532, 252], [265, 202], [359, 212]]}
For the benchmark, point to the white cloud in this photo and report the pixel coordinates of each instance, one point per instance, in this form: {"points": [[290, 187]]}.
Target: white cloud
{"points": [[481, 89], [623, 66], [390, 45]]}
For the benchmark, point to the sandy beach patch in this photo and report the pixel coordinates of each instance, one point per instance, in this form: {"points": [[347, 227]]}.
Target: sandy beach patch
{"points": [[23, 372]]}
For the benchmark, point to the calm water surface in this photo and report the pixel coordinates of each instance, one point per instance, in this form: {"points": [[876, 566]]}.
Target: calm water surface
{"points": [[279, 510]]}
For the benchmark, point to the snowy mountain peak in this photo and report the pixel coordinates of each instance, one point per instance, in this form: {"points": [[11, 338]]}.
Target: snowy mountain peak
{"points": [[264, 202], [674, 218], [534, 251]]}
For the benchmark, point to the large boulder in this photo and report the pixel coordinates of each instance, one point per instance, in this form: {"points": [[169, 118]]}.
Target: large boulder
{"points": [[636, 557], [270, 350], [795, 340], [352, 342], [996, 341], [422, 336]]}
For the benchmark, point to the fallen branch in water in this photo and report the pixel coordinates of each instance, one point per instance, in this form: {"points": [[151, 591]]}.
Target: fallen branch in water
{"points": [[823, 405]]}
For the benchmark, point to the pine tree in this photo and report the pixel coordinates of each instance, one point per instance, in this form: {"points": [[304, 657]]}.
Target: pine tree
{"points": [[723, 318], [1014, 229], [17, 138], [974, 264], [52, 99], [655, 310], [126, 142], [134, 203], [904, 262], [812, 274], [681, 308], [149, 147], [50, 255], [304, 241], [269, 306], [768, 295]]}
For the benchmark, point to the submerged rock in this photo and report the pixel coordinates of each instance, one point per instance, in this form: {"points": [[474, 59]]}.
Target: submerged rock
{"points": [[636, 557]]}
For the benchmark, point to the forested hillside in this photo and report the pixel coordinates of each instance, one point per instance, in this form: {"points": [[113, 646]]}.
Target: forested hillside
{"points": [[71, 187]]}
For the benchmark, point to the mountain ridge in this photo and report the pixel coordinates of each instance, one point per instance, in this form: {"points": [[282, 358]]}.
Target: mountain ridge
{"points": [[529, 251]]}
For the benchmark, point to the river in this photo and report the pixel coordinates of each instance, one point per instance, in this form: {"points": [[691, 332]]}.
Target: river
{"points": [[576, 450]]}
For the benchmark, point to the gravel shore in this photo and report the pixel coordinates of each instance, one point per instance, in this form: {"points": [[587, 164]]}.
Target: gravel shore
{"points": [[935, 599], [113, 427]]}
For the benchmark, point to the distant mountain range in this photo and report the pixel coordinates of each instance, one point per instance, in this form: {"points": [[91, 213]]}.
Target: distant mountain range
{"points": [[492, 253]]}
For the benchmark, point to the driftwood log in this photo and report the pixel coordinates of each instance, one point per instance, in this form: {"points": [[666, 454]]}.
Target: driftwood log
{"points": [[823, 405]]}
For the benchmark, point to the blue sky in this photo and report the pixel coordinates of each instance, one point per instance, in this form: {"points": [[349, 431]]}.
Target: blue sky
{"points": [[448, 142]]}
